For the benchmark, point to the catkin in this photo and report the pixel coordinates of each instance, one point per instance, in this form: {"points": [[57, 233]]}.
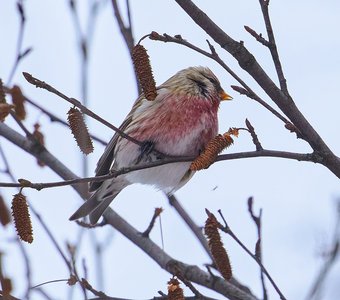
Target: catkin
{"points": [[213, 148], [22, 219], [5, 109], [6, 286], [218, 252], [79, 130], [18, 100], [4, 212], [175, 292], [143, 70], [41, 139]]}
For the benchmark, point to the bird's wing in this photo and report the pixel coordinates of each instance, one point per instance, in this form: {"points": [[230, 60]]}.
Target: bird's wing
{"points": [[105, 162]]}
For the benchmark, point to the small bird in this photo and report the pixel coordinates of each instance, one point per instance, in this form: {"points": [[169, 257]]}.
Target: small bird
{"points": [[179, 122]]}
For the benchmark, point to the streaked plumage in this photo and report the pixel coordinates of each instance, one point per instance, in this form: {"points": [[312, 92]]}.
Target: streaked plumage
{"points": [[180, 121]]}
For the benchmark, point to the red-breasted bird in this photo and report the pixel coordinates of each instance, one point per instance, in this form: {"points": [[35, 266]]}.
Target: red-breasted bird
{"points": [[179, 122]]}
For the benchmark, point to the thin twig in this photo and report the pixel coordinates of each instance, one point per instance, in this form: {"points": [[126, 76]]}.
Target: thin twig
{"points": [[228, 230], [114, 173], [197, 231], [51, 236], [272, 46], [258, 247], [19, 54], [257, 36], [254, 136], [126, 31], [54, 118], [156, 214], [329, 261], [41, 84]]}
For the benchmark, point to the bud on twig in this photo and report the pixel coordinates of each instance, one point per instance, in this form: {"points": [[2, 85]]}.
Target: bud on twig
{"points": [[143, 70], [22, 219], [79, 130]]}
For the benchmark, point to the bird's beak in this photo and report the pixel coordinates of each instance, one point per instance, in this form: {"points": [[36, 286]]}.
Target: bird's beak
{"points": [[225, 96]]}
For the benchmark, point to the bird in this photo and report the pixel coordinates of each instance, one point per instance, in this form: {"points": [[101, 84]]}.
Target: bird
{"points": [[180, 121]]}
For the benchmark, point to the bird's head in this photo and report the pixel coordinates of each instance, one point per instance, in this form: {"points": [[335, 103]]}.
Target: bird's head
{"points": [[197, 82]]}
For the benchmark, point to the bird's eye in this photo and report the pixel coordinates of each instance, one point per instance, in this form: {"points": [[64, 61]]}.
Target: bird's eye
{"points": [[215, 83], [201, 86]]}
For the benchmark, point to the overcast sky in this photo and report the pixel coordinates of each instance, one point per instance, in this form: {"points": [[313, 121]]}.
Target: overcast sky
{"points": [[298, 199]]}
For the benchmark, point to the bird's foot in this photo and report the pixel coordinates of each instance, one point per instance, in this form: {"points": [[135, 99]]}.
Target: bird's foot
{"points": [[145, 150]]}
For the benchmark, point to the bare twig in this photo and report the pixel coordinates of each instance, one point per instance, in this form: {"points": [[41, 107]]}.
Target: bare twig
{"points": [[329, 261], [84, 283], [257, 36], [41, 84], [52, 238], [258, 247], [126, 31], [197, 231], [254, 136], [228, 230], [156, 214], [115, 173], [54, 118], [19, 53], [272, 46]]}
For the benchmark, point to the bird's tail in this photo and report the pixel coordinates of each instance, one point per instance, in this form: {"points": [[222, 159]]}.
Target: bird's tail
{"points": [[96, 205]]}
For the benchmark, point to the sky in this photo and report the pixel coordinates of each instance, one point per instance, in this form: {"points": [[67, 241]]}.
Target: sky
{"points": [[298, 199]]}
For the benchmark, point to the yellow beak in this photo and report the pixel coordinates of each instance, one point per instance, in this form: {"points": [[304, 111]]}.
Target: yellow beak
{"points": [[225, 96]]}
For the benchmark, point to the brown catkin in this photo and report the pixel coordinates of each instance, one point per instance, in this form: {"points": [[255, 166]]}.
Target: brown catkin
{"points": [[18, 100], [5, 217], [79, 130], [143, 70], [2, 92], [175, 292], [208, 156], [218, 252], [22, 219], [6, 286], [5, 109], [41, 139]]}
